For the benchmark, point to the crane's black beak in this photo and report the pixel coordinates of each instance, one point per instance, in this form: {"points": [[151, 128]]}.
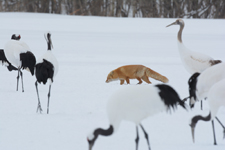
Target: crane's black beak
{"points": [[90, 144], [192, 125], [193, 133], [174, 23]]}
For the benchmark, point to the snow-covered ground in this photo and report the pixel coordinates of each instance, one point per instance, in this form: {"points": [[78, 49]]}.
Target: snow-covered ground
{"points": [[87, 49]]}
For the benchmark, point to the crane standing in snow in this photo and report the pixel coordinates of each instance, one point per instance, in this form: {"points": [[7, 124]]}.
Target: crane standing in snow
{"points": [[19, 55], [216, 99], [135, 103], [192, 61], [200, 84], [46, 69]]}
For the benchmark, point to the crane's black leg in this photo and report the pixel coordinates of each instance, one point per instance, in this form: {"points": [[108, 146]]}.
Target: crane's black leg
{"points": [[137, 138], [146, 136], [49, 98], [39, 103], [18, 77], [21, 74], [214, 134], [222, 126], [201, 104]]}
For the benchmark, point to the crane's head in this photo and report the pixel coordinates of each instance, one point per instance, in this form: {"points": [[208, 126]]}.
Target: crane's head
{"points": [[195, 120], [94, 135], [192, 125], [177, 22], [48, 39], [15, 37], [91, 140]]}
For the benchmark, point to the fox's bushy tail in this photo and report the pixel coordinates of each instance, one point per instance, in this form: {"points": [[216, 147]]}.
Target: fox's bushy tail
{"points": [[156, 75]]}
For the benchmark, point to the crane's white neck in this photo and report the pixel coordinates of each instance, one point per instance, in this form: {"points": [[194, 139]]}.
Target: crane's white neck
{"points": [[182, 49]]}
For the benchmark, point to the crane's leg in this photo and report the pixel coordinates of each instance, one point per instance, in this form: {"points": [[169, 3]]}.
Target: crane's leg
{"points": [[214, 134], [222, 126], [146, 136], [137, 138], [39, 102], [49, 98], [18, 77], [21, 75], [201, 104]]}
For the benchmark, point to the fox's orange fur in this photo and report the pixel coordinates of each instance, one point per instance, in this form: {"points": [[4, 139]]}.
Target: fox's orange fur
{"points": [[138, 72]]}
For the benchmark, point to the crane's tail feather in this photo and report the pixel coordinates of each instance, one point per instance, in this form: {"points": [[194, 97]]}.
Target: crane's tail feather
{"points": [[28, 61], [169, 96], [214, 62]]}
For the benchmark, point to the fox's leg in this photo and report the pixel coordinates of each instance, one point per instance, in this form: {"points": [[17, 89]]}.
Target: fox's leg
{"points": [[127, 80], [121, 82], [145, 78], [139, 79]]}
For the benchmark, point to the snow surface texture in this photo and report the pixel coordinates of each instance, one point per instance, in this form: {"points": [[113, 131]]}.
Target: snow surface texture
{"points": [[87, 49]]}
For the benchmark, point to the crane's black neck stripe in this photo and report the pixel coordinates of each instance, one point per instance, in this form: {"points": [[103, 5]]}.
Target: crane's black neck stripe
{"points": [[169, 96], [192, 82], [49, 45], [100, 131], [49, 41], [103, 132], [195, 119]]}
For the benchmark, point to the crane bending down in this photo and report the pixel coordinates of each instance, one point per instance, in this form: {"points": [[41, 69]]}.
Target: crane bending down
{"points": [[216, 99], [46, 69], [135, 103], [19, 55]]}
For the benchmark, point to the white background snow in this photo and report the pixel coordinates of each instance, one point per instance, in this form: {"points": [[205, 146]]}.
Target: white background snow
{"points": [[87, 49]]}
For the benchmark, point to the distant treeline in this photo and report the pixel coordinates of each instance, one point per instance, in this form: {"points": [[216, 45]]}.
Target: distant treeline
{"points": [[121, 8]]}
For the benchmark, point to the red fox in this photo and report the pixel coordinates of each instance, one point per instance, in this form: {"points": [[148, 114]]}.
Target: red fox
{"points": [[134, 72]]}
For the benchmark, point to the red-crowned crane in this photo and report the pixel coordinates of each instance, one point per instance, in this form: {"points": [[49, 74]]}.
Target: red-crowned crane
{"points": [[135, 103], [200, 84], [46, 69], [216, 99], [193, 62], [19, 55]]}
